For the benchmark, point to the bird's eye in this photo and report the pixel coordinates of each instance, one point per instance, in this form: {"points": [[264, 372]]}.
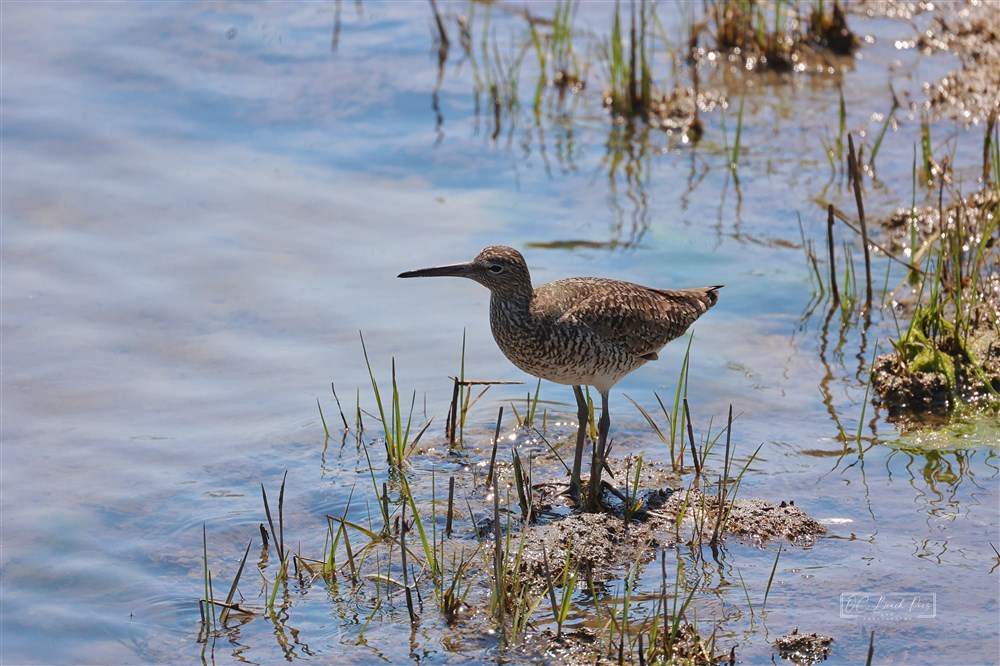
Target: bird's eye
{"points": [[496, 268]]}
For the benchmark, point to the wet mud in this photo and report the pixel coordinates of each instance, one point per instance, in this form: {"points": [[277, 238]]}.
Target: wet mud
{"points": [[606, 544], [804, 649], [602, 547], [967, 29], [914, 397], [907, 228], [581, 646], [971, 32], [760, 521]]}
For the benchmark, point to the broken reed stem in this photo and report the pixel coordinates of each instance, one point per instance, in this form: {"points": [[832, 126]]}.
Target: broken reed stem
{"points": [[451, 504], [729, 433], [988, 145], [339, 408], [852, 165], [402, 547], [493, 456], [498, 557], [442, 34], [632, 93], [549, 584], [723, 481], [406, 579], [263, 535], [721, 496], [694, 452], [628, 477], [385, 506], [833, 265], [453, 415], [496, 112], [840, 215]]}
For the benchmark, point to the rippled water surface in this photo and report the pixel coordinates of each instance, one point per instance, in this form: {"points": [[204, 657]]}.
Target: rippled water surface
{"points": [[203, 203]]}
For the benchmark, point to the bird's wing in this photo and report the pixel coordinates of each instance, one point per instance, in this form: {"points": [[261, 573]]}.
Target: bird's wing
{"points": [[637, 319]]}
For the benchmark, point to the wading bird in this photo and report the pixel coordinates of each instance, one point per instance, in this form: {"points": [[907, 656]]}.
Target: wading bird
{"points": [[578, 331]]}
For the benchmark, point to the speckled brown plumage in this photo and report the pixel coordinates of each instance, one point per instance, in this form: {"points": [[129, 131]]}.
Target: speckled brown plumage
{"points": [[577, 331], [592, 331]]}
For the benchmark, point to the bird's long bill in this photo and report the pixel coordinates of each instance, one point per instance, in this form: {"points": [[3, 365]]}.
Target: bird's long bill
{"points": [[454, 270]]}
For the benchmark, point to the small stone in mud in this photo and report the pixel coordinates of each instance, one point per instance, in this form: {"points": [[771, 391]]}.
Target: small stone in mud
{"points": [[803, 649]]}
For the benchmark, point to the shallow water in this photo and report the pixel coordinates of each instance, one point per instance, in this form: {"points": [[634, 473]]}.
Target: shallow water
{"points": [[204, 203]]}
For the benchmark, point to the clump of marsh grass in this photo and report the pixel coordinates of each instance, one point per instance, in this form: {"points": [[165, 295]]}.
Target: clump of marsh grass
{"points": [[710, 514], [630, 78], [779, 35], [496, 72], [942, 349], [667, 633], [397, 434], [741, 26], [949, 352], [413, 553], [829, 30], [951, 258], [558, 64], [630, 92]]}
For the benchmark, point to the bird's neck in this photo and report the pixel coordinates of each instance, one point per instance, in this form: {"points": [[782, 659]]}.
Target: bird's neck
{"points": [[511, 304]]}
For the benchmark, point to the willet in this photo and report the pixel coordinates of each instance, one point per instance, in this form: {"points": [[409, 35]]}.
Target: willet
{"points": [[578, 331]]}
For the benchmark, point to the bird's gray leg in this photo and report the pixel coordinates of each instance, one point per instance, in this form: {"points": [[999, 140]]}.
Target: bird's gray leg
{"points": [[583, 418], [593, 502]]}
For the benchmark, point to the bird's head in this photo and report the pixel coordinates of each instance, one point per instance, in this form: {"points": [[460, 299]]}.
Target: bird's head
{"points": [[499, 268]]}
